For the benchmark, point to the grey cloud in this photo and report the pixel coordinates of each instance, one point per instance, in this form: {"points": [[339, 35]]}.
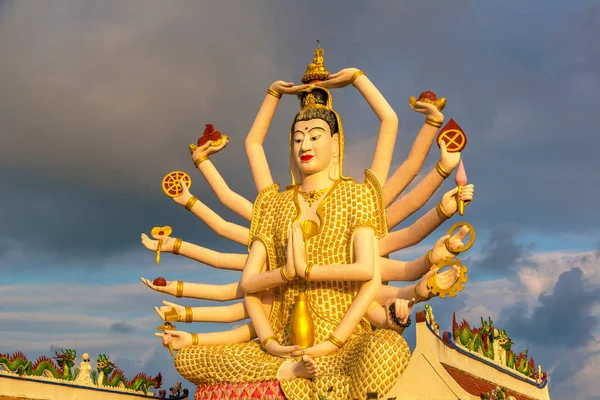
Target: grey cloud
{"points": [[501, 253], [122, 327], [128, 89], [562, 318]]}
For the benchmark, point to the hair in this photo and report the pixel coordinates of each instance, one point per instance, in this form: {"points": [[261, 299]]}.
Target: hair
{"points": [[324, 114]]}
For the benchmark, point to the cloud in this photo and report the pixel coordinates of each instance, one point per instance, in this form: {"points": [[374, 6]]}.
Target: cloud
{"points": [[501, 253], [565, 312], [122, 327]]}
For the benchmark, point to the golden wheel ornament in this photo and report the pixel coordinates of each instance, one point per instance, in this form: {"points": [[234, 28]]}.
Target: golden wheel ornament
{"points": [[171, 183], [458, 286], [472, 237]]}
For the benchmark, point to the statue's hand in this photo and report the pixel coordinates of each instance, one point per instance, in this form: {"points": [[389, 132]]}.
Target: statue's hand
{"points": [[167, 246], [448, 160], [448, 278], [299, 252], [185, 195], [290, 269], [278, 350], [322, 349], [338, 80], [403, 309], [179, 339], [167, 307], [440, 251], [206, 149], [170, 288], [449, 199], [287, 87], [428, 109]]}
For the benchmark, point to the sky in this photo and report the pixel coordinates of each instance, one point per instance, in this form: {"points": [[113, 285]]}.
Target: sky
{"points": [[99, 100]]}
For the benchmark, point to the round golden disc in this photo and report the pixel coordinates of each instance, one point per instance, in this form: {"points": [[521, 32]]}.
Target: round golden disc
{"points": [[458, 286], [471, 236], [171, 185]]}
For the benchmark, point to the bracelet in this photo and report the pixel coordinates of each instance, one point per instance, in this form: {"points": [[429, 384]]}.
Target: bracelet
{"points": [[307, 272], [177, 246], [267, 340], [189, 315], [190, 203], [336, 342], [394, 318], [429, 257], [284, 276], [440, 170], [195, 339], [443, 213], [355, 76], [199, 160], [433, 122], [417, 295], [179, 289], [274, 93]]}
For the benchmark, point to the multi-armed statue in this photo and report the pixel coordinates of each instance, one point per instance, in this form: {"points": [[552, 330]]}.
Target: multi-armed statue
{"points": [[314, 282]]}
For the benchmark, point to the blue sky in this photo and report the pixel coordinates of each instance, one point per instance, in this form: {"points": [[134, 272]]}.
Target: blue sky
{"points": [[98, 100]]}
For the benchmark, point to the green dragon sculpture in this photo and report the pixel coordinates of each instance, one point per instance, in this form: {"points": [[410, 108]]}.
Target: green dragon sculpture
{"points": [[43, 366], [483, 341], [63, 369], [109, 375]]}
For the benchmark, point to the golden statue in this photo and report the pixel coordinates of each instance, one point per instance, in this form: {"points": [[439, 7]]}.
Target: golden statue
{"points": [[322, 321]]}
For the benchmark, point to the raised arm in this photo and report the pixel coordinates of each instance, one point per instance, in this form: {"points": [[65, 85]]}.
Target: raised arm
{"points": [[417, 197], [228, 230], [254, 141], [230, 261], [421, 228], [232, 200], [388, 127], [410, 168]]}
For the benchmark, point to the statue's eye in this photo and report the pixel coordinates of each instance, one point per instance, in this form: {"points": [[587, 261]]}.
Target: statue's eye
{"points": [[313, 138]]}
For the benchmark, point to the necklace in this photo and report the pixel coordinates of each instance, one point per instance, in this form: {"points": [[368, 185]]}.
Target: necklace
{"points": [[313, 195]]}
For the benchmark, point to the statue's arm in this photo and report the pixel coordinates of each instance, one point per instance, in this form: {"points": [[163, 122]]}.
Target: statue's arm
{"points": [[363, 247], [232, 200], [226, 229], [254, 143], [203, 291], [388, 128], [230, 261], [253, 280], [361, 270], [421, 228], [397, 270], [413, 234], [241, 334], [410, 168]]}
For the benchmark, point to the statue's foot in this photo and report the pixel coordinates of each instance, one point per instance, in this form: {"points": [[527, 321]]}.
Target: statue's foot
{"points": [[305, 368]]}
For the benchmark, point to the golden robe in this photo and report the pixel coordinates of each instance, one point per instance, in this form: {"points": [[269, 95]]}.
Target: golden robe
{"points": [[369, 361]]}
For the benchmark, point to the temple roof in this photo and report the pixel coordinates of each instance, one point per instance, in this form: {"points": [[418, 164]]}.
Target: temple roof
{"points": [[476, 385]]}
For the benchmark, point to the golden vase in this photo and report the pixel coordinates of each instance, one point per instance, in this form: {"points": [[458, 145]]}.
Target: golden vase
{"points": [[302, 329]]}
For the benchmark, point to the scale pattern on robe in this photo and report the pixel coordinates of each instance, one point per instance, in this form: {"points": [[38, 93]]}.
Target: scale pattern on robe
{"points": [[369, 361]]}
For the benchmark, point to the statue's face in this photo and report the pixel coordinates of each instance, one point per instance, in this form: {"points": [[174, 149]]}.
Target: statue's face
{"points": [[313, 146]]}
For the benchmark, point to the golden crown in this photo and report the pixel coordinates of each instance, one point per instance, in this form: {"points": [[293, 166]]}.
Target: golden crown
{"points": [[316, 70]]}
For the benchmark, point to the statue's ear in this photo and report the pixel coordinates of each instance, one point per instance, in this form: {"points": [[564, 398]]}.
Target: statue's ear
{"points": [[336, 145]]}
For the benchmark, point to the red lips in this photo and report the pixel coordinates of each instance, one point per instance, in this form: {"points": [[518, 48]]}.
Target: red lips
{"points": [[306, 158]]}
